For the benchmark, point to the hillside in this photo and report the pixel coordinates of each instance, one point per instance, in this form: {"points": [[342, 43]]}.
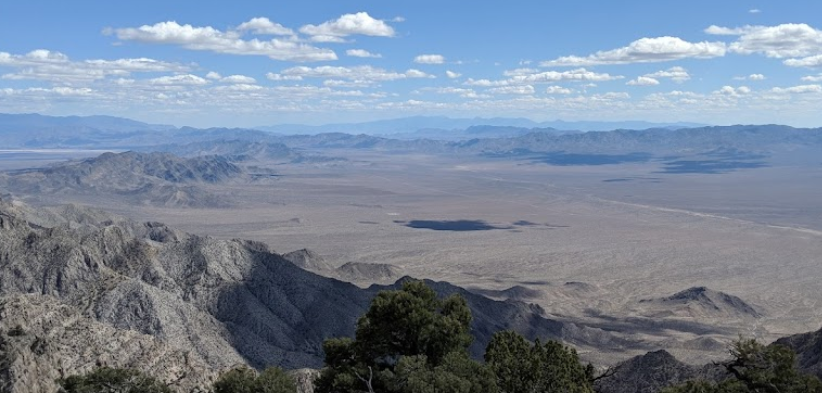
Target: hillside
{"points": [[153, 178], [224, 301], [699, 302]]}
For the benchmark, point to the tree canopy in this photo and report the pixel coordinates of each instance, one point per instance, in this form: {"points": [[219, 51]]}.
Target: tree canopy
{"points": [[409, 341], [757, 368]]}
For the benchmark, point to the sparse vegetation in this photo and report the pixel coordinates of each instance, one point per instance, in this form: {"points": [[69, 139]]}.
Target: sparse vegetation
{"points": [[246, 380], [756, 368], [112, 380]]}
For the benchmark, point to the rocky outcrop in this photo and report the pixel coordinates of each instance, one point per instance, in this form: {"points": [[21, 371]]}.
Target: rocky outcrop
{"points": [[652, 372], [700, 302], [42, 340], [808, 348]]}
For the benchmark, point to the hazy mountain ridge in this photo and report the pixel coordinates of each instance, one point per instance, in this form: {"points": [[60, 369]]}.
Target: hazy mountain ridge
{"points": [[408, 125], [501, 136]]}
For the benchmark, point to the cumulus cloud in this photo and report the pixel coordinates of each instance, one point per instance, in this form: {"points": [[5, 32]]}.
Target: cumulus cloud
{"points": [[756, 77], [802, 89], [238, 79], [524, 89], [53, 66], [263, 26], [179, 80], [646, 50], [214, 75], [350, 24], [529, 76], [790, 40], [812, 78], [362, 53], [54, 91], [452, 74], [643, 81], [809, 62], [676, 74], [732, 91], [414, 73], [227, 42], [362, 73], [558, 90], [429, 59], [464, 93]]}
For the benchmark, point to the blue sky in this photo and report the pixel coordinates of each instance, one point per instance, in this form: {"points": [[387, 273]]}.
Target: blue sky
{"points": [[246, 63]]}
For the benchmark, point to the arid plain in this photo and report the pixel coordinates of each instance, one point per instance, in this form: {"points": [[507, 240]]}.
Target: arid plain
{"points": [[604, 244]]}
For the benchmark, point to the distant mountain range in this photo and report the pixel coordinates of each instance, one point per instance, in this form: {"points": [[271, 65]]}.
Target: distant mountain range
{"points": [[39, 131], [449, 128]]}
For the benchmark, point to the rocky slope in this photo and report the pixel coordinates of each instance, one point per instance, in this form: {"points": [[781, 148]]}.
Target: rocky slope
{"points": [[699, 302], [224, 302], [151, 178], [808, 347], [42, 339], [652, 372]]}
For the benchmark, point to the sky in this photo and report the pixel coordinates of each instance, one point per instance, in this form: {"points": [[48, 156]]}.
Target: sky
{"points": [[252, 63]]}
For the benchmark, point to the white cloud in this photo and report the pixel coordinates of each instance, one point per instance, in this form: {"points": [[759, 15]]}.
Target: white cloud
{"points": [[328, 39], [429, 59], [226, 42], [754, 11], [54, 91], [452, 74], [646, 50], [528, 76], [643, 81], [465, 93], [802, 89], [52, 66], [790, 40], [238, 79], [524, 89], [179, 80], [350, 24], [756, 77], [414, 73], [809, 62], [214, 75], [281, 77], [363, 73], [347, 83], [362, 53], [558, 90], [812, 78], [264, 26], [676, 74], [733, 92]]}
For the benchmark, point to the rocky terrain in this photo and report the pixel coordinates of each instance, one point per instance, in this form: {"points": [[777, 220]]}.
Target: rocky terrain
{"points": [[216, 303], [654, 371], [355, 272], [699, 302], [144, 178]]}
